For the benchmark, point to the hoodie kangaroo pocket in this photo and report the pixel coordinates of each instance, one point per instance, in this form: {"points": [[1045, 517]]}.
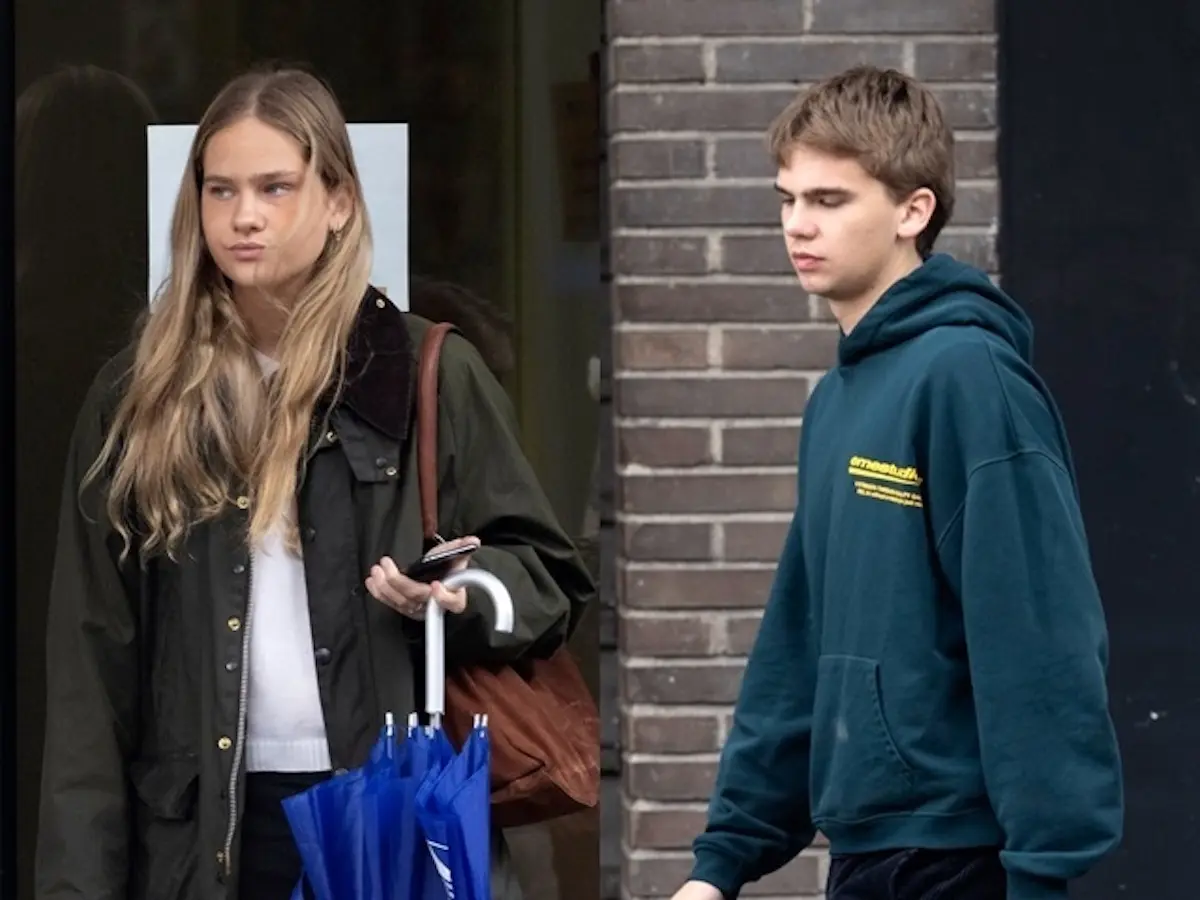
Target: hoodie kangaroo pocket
{"points": [[857, 769]]}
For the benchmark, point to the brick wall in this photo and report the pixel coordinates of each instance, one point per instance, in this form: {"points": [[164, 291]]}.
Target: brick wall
{"points": [[715, 349]]}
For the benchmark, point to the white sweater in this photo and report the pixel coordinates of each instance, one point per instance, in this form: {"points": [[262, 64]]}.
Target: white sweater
{"points": [[285, 725]]}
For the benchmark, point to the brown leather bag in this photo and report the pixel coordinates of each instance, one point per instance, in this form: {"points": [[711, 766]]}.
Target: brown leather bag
{"points": [[543, 724]]}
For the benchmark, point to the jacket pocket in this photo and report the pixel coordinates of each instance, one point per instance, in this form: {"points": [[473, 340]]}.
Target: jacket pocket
{"points": [[165, 857], [857, 769]]}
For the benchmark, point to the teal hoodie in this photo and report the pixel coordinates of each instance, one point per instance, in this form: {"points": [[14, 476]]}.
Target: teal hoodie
{"points": [[930, 668]]}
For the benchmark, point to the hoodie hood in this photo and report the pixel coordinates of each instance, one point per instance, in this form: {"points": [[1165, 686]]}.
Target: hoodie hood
{"points": [[941, 292]]}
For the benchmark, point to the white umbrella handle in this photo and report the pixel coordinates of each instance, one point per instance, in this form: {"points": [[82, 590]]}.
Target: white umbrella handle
{"points": [[435, 632]]}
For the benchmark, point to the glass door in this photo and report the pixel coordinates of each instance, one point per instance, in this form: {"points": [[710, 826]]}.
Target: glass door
{"points": [[91, 76]]}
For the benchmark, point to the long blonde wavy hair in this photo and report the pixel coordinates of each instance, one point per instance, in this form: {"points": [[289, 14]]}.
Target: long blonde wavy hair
{"points": [[197, 422]]}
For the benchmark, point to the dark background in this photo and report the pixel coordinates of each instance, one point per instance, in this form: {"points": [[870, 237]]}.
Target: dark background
{"points": [[8, 668], [94, 75], [88, 77], [1100, 185]]}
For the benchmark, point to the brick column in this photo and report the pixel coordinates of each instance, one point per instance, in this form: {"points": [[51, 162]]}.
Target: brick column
{"points": [[716, 349]]}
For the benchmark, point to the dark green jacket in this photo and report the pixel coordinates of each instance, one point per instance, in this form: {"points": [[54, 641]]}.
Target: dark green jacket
{"points": [[146, 697]]}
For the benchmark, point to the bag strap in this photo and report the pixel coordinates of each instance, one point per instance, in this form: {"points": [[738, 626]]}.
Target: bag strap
{"points": [[427, 425]]}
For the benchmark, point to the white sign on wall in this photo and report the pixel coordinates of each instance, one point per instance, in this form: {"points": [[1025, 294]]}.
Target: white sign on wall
{"points": [[381, 152]]}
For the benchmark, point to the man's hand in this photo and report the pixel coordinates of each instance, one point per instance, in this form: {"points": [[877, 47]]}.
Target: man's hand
{"points": [[389, 585], [698, 890]]}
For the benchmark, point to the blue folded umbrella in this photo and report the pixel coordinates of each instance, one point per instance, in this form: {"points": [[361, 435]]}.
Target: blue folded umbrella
{"points": [[453, 807], [358, 834], [414, 823]]}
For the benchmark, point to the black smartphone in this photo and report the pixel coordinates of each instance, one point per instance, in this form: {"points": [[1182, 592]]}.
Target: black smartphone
{"points": [[434, 566]]}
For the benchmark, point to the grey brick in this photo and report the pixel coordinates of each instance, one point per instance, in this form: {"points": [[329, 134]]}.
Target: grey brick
{"points": [[742, 158], [801, 62], [973, 248], [746, 254], [792, 348], [695, 109], [956, 60], [681, 780], [657, 159], [664, 829], [695, 588], [712, 302], [661, 636], [977, 204], [672, 543], [660, 255], [760, 445], [647, 732], [671, 684], [705, 398], [667, 446], [635, 207], [637, 18], [717, 493], [658, 63], [755, 542], [975, 156], [904, 16], [661, 349], [741, 631], [973, 107]]}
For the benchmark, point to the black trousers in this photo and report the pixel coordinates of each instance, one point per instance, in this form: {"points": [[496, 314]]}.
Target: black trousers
{"points": [[270, 863], [973, 874]]}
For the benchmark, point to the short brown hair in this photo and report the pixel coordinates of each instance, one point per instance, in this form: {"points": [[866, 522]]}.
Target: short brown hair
{"points": [[890, 123]]}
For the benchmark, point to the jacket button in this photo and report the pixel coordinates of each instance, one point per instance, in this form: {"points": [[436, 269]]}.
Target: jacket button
{"points": [[243, 502], [231, 666], [239, 569], [381, 462], [310, 534], [220, 857], [323, 656], [234, 623], [331, 436], [224, 743], [390, 471]]}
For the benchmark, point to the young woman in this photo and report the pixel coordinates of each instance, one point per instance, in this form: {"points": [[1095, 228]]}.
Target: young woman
{"points": [[228, 620]]}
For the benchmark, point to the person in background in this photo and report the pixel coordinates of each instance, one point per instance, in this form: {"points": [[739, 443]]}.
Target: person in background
{"points": [[927, 686], [487, 327], [79, 290], [229, 619]]}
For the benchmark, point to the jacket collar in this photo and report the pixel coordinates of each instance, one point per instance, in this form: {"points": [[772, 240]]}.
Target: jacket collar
{"points": [[381, 367]]}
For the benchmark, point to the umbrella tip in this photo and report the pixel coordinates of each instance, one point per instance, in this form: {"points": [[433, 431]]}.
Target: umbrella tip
{"points": [[389, 720]]}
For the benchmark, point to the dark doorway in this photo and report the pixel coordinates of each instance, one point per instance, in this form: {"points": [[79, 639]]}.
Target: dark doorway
{"points": [[1101, 243], [490, 89]]}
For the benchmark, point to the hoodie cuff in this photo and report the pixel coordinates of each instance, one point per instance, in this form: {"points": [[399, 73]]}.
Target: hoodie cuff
{"points": [[718, 870], [1031, 887]]}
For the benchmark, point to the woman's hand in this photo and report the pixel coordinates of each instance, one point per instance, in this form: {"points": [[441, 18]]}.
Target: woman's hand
{"points": [[389, 585]]}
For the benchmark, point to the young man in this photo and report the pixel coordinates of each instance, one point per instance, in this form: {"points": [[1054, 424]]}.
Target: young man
{"points": [[928, 683]]}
